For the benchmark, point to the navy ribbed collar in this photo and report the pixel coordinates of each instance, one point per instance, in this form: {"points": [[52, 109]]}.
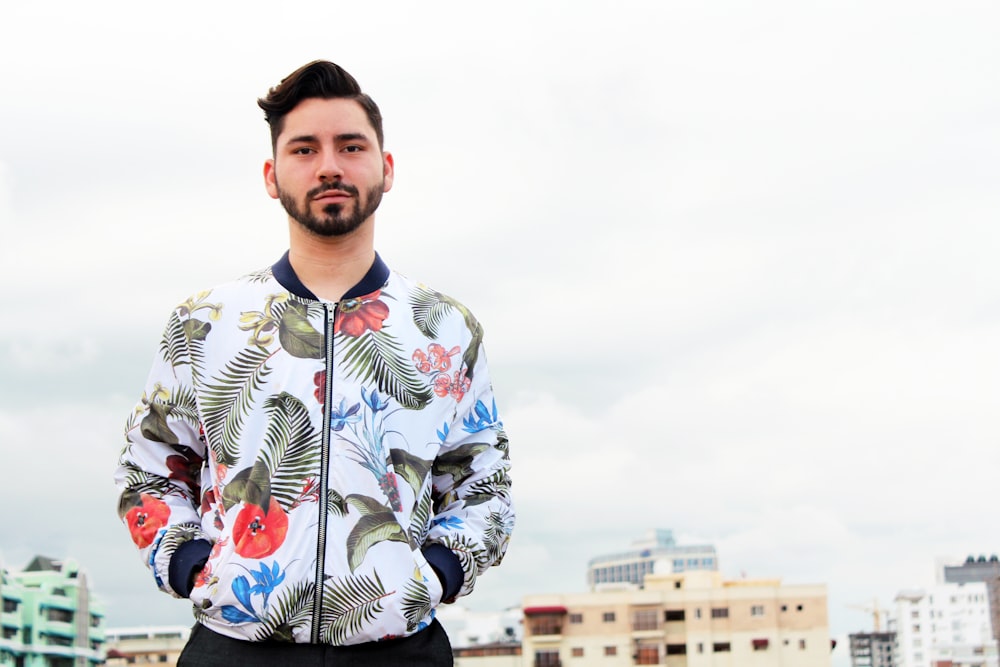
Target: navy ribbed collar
{"points": [[376, 277]]}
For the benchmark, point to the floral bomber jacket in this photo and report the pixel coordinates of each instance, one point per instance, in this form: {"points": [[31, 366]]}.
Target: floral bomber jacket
{"points": [[317, 472]]}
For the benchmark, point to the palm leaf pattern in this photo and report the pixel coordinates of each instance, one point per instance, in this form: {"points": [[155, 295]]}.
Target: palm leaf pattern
{"points": [[349, 604], [173, 346], [292, 609], [496, 485], [227, 402], [291, 447], [420, 519], [379, 356], [431, 308], [138, 481], [370, 530], [416, 603]]}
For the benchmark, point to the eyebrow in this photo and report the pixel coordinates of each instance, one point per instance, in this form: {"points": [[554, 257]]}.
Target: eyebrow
{"points": [[346, 136]]}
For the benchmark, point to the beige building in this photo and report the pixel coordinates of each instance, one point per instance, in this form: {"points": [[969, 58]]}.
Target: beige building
{"points": [[146, 646], [690, 619]]}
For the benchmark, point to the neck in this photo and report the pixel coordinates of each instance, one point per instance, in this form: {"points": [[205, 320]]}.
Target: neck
{"points": [[329, 266]]}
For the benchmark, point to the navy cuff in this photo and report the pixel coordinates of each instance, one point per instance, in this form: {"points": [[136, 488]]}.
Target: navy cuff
{"points": [[189, 558], [447, 567]]}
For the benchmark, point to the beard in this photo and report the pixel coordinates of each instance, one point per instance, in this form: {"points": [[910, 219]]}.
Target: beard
{"points": [[337, 219]]}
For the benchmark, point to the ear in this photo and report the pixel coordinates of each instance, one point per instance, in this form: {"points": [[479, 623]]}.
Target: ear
{"points": [[270, 180], [388, 171]]}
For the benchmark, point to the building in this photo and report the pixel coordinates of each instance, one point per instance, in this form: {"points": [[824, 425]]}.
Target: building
{"points": [[873, 649], [49, 617], [656, 553], [146, 645], [986, 570], [947, 625], [686, 619]]}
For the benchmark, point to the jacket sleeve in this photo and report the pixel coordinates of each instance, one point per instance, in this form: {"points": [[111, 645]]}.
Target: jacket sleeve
{"points": [[160, 470], [473, 513]]}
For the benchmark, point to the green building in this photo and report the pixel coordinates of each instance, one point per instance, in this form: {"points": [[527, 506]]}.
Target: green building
{"points": [[49, 618]]}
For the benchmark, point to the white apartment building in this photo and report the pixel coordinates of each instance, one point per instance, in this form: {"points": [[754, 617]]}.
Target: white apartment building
{"points": [[656, 553], [945, 625]]}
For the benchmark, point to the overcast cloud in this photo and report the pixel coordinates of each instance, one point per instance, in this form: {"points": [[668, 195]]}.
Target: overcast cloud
{"points": [[736, 261]]}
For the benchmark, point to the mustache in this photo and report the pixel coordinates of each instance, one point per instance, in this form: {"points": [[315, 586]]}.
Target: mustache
{"points": [[336, 185]]}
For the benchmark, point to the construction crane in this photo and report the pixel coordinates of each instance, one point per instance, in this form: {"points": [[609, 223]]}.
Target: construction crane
{"points": [[874, 610]]}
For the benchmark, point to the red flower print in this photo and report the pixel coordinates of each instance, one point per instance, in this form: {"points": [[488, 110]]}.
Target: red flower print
{"points": [[420, 361], [356, 316], [456, 386], [145, 519], [258, 533], [319, 379], [441, 360], [186, 467], [436, 359]]}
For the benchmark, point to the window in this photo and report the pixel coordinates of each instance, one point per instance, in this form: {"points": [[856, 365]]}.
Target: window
{"points": [[59, 615], [701, 647], [678, 649], [647, 655], [608, 617], [802, 644], [798, 607], [697, 612], [720, 612], [577, 651], [576, 618], [645, 619], [55, 640], [9, 605], [757, 610], [673, 615], [784, 607], [9, 633], [547, 658], [546, 624], [760, 644], [610, 650], [720, 647]]}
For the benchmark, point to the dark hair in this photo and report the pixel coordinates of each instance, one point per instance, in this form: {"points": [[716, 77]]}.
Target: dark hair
{"points": [[321, 79]]}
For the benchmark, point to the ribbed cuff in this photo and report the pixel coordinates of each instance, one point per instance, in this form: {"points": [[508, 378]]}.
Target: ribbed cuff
{"points": [[188, 559], [447, 567]]}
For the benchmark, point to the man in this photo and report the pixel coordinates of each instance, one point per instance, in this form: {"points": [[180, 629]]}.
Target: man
{"points": [[317, 461]]}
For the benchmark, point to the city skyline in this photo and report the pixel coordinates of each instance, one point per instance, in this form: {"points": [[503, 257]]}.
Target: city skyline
{"points": [[735, 264]]}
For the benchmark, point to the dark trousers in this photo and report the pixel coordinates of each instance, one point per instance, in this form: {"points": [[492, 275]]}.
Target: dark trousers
{"points": [[206, 648]]}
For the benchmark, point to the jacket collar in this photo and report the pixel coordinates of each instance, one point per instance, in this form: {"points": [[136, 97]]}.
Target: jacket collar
{"points": [[376, 277]]}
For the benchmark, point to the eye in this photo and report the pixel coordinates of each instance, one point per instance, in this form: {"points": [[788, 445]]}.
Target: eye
{"points": [[353, 148], [303, 150]]}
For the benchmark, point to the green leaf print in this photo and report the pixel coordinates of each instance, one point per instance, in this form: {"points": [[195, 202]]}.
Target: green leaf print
{"points": [[411, 468], [297, 336], [173, 347], [252, 485], [291, 609], [335, 503], [196, 329], [369, 531], [291, 449], [379, 356], [416, 603], [229, 400], [458, 462], [430, 309], [349, 604], [154, 425]]}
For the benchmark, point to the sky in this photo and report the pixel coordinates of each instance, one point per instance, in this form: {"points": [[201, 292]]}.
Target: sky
{"points": [[735, 262]]}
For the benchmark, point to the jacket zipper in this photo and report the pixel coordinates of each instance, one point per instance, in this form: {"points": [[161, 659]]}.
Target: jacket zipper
{"points": [[324, 482]]}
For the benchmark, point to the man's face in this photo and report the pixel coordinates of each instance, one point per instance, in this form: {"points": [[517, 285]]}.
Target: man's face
{"points": [[328, 170]]}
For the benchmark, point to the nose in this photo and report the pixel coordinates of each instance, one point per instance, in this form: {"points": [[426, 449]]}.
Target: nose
{"points": [[329, 168]]}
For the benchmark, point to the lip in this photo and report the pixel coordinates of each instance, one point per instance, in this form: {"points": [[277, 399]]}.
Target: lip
{"points": [[332, 194]]}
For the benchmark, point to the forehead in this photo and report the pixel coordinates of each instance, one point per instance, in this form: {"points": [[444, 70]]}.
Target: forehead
{"points": [[318, 117]]}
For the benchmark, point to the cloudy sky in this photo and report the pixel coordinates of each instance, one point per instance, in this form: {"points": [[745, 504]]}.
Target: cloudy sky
{"points": [[736, 261]]}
